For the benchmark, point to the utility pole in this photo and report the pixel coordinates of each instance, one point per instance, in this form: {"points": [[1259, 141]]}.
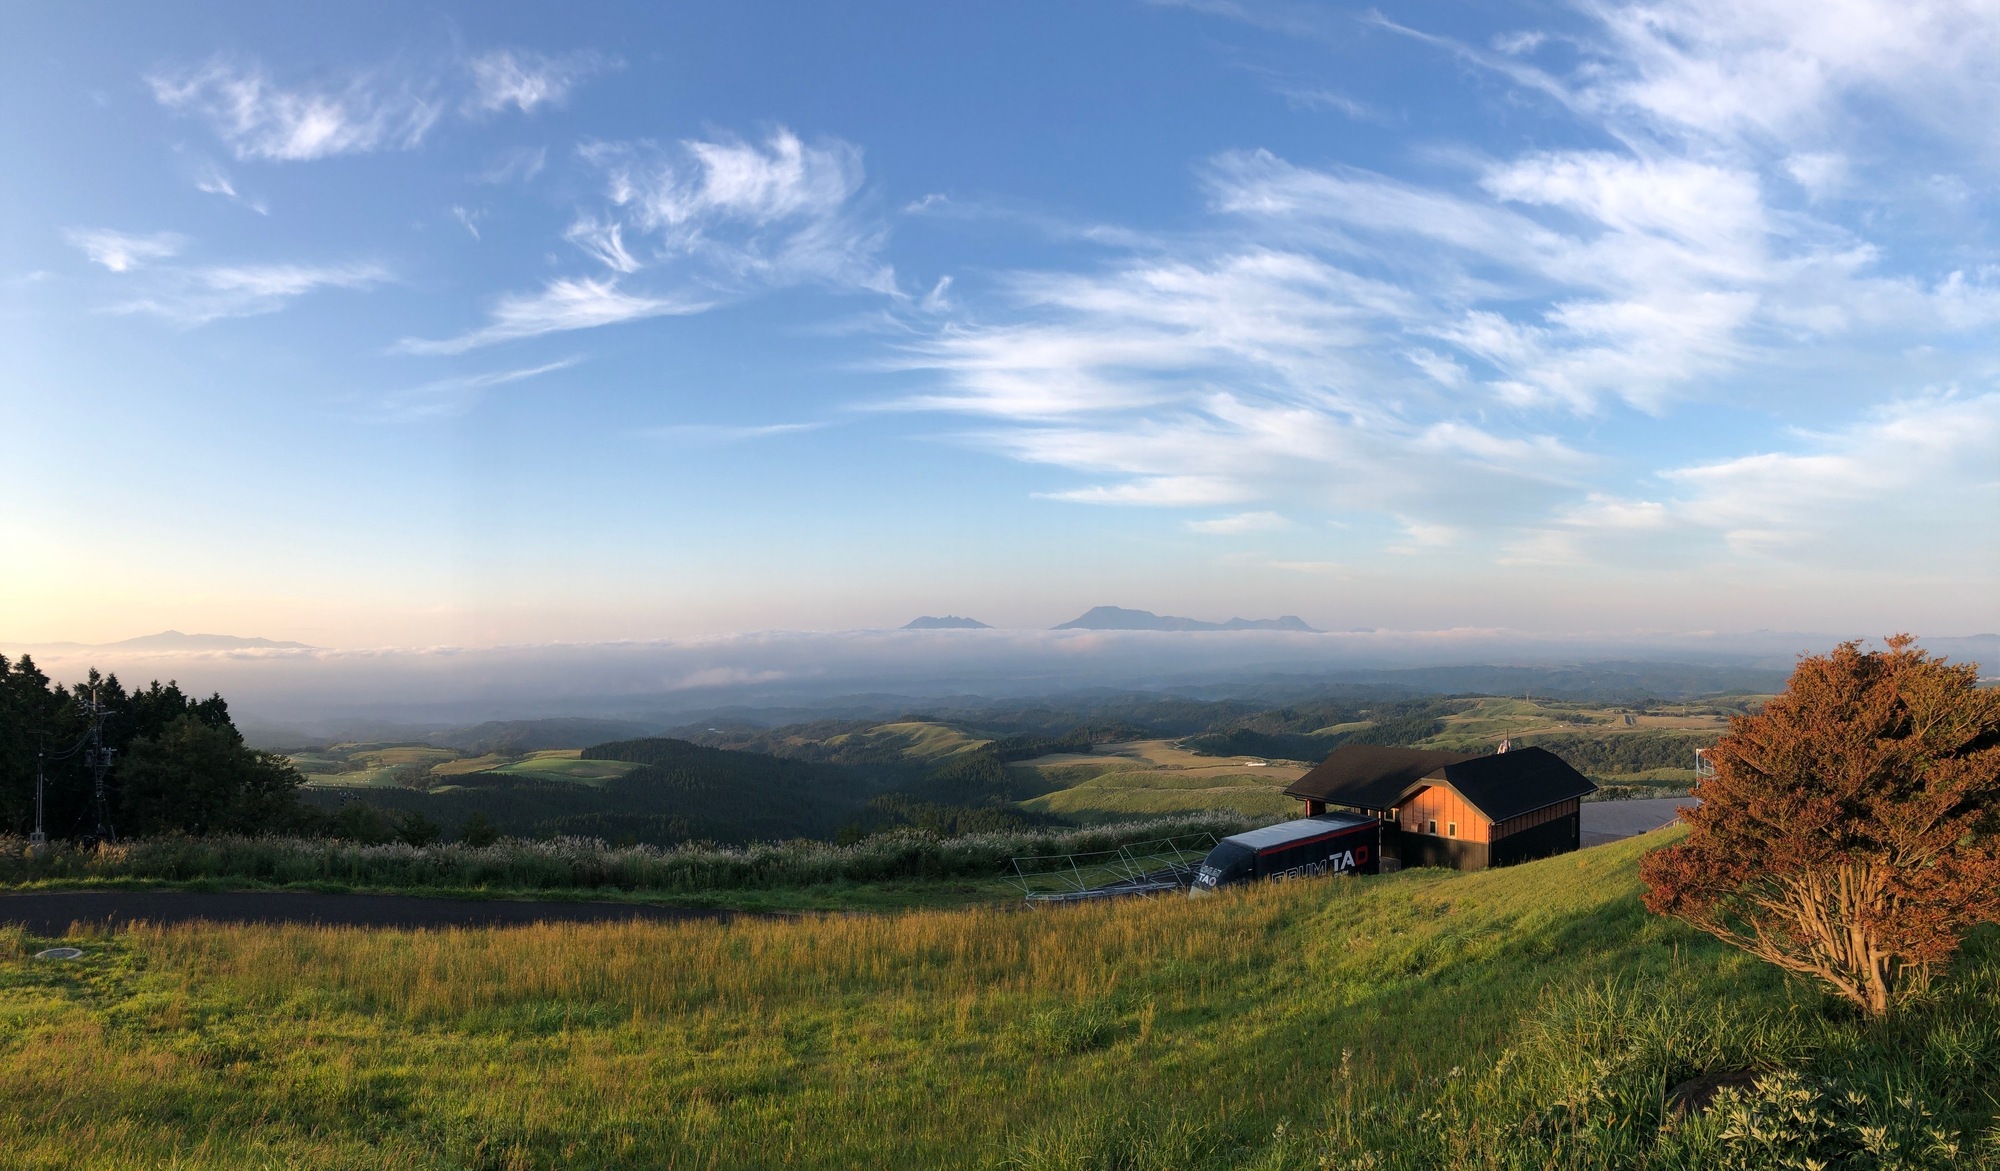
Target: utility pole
{"points": [[39, 840], [98, 758]]}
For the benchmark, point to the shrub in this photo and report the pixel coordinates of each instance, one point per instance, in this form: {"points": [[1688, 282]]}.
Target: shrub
{"points": [[1851, 831]]}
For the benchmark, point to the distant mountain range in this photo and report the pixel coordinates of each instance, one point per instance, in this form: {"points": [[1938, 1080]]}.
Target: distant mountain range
{"points": [[948, 622], [1119, 618], [174, 640]]}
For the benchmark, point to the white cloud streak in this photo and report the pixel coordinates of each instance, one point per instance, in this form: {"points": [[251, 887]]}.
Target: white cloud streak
{"points": [[1437, 353], [195, 296], [705, 223], [1919, 470], [526, 80], [393, 107], [1242, 522], [748, 214], [124, 251], [698, 434], [449, 397], [561, 306], [259, 119]]}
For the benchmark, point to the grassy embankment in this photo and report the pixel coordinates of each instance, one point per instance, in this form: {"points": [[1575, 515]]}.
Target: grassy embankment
{"points": [[1530, 1017]]}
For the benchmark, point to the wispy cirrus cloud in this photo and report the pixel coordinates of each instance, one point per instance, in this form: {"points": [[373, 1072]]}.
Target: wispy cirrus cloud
{"points": [[448, 397], [198, 295], [1242, 522], [779, 212], [258, 118], [1439, 348], [1831, 491], [514, 165], [525, 79], [702, 223], [1935, 449], [1251, 375], [192, 294], [125, 251], [721, 433], [211, 179], [561, 305], [389, 107]]}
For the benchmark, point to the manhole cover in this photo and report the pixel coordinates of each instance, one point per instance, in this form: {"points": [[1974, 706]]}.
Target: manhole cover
{"points": [[60, 953]]}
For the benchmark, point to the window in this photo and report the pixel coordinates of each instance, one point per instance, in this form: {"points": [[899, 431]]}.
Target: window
{"points": [[1434, 826], [1451, 829]]}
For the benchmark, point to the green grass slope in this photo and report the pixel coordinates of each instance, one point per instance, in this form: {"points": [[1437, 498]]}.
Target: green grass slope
{"points": [[1114, 794], [1530, 1017], [565, 764], [910, 740]]}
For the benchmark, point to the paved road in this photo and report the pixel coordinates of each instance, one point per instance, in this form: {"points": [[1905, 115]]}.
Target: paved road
{"points": [[1609, 821], [49, 913]]}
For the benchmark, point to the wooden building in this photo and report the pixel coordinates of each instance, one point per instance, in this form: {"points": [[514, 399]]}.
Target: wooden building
{"points": [[1453, 809]]}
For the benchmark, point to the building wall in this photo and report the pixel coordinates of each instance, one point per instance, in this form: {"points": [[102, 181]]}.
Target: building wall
{"points": [[1442, 804], [1533, 818], [1539, 833], [1450, 853], [1558, 836]]}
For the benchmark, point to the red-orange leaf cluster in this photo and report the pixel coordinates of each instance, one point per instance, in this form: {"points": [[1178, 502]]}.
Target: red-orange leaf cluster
{"points": [[1851, 831]]}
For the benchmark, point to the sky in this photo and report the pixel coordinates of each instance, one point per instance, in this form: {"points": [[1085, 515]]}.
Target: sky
{"points": [[402, 325]]}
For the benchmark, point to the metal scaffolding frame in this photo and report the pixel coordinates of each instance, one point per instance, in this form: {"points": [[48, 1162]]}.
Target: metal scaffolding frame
{"points": [[1155, 867]]}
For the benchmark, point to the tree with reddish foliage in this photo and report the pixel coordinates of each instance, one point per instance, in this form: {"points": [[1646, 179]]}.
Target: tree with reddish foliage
{"points": [[1851, 831]]}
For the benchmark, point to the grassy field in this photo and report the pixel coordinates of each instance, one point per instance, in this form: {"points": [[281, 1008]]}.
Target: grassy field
{"points": [[1485, 721], [471, 764], [1153, 777], [362, 766], [1530, 1017], [564, 764], [912, 739]]}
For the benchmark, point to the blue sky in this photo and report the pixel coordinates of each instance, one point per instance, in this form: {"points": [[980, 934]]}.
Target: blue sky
{"points": [[400, 325]]}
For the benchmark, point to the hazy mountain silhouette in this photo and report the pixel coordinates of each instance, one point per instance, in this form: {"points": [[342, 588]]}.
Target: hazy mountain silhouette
{"points": [[947, 622], [174, 640], [1119, 618]]}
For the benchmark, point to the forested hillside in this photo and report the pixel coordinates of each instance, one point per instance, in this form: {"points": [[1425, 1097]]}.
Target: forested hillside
{"points": [[179, 764]]}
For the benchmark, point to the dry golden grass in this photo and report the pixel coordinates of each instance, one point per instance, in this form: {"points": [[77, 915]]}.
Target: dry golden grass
{"points": [[1145, 1035]]}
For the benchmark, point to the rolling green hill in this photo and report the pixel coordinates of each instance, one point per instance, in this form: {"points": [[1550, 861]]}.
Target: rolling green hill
{"points": [[996, 768], [1532, 1017]]}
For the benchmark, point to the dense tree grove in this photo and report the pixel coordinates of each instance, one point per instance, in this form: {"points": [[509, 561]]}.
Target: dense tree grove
{"points": [[1851, 831], [180, 764]]}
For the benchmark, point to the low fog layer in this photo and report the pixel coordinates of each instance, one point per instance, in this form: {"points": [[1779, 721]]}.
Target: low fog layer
{"points": [[314, 688]]}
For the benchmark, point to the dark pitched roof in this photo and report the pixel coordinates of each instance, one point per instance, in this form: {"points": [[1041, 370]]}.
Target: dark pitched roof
{"points": [[1500, 785], [1369, 776], [1508, 784]]}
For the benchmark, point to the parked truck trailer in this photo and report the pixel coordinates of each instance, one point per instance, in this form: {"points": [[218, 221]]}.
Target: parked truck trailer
{"points": [[1328, 843]]}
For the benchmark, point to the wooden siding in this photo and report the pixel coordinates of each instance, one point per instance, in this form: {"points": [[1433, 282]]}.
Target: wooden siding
{"points": [[1442, 804], [1535, 817]]}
